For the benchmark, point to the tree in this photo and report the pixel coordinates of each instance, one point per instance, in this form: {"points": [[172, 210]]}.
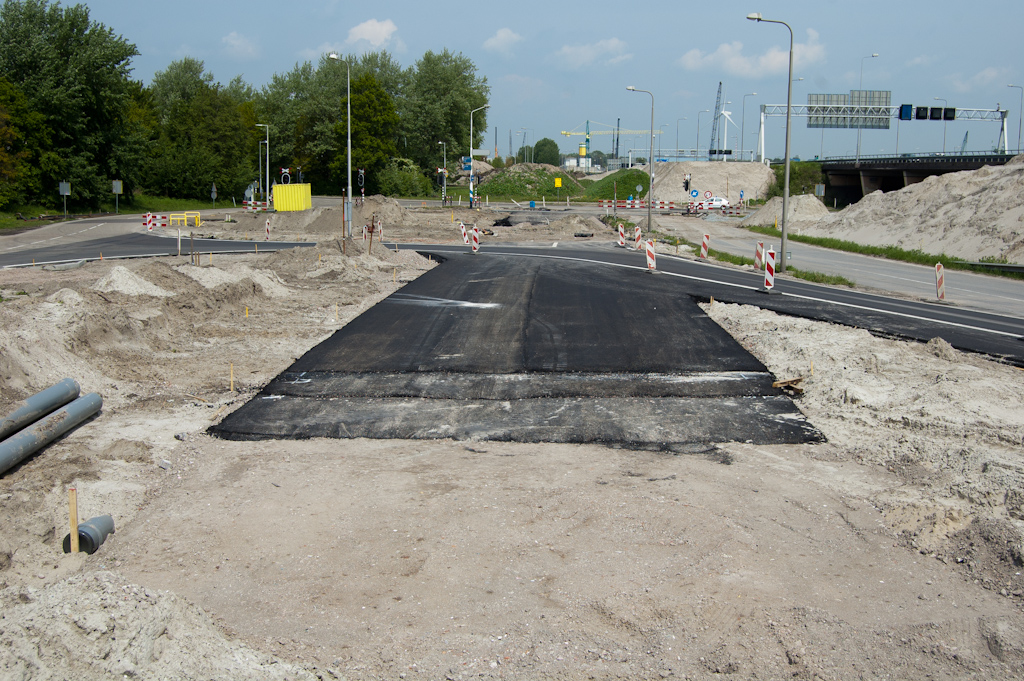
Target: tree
{"points": [[443, 89], [525, 154], [181, 82], [74, 72], [599, 158], [546, 151], [374, 124], [24, 139]]}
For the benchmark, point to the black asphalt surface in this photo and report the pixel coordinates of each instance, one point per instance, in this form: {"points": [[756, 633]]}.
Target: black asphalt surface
{"points": [[136, 246], [1002, 337], [528, 349]]}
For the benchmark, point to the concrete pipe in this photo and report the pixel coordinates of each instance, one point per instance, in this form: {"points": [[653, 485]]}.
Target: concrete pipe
{"points": [[38, 406], [91, 534], [41, 433]]}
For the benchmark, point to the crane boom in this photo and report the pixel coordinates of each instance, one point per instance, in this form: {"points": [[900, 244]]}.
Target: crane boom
{"points": [[570, 133]]}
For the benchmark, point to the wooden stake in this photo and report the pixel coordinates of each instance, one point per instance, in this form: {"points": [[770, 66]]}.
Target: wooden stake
{"points": [[246, 311], [73, 517], [812, 367], [712, 302], [232, 377]]}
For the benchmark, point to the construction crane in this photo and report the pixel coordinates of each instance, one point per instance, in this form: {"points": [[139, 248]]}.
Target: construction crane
{"points": [[585, 148], [964, 145], [712, 146]]}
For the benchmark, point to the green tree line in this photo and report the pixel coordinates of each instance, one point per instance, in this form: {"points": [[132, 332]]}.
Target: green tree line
{"points": [[69, 110]]}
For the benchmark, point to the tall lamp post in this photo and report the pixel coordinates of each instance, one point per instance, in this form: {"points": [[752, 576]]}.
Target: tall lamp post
{"points": [[348, 118], [756, 16], [1021, 88], [650, 160], [444, 175], [266, 187], [696, 149], [677, 134], [860, 119], [944, 105], [481, 108], [743, 123]]}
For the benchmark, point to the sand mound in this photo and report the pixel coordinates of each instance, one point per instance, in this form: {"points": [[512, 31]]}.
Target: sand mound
{"points": [[802, 208], [721, 179], [98, 625], [970, 214], [579, 224], [212, 277], [123, 280]]}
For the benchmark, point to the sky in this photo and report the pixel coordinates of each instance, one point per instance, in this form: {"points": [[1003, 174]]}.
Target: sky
{"points": [[552, 66]]}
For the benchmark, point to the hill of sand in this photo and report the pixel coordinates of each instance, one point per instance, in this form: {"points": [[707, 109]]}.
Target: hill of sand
{"points": [[721, 179], [970, 214], [802, 208]]}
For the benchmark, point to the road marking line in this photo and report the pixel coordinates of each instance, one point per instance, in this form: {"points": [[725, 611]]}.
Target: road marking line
{"points": [[791, 295]]}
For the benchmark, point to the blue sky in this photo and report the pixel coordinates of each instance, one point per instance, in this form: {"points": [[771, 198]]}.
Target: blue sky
{"points": [[552, 66]]}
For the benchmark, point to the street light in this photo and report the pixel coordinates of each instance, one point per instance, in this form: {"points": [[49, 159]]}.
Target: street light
{"points": [[266, 187], [696, 149], [756, 16], [743, 123], [650, 160], [677, 134], [444, 175], [1021, 88], [479, 108], [348, 118], [860, 119], [944, 105]]}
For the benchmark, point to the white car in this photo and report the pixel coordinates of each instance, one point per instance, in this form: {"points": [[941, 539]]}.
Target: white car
{"points": [[716, 202]]}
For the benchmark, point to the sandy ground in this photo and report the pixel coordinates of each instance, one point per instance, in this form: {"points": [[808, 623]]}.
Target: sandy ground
{"points": [[893, 551]]}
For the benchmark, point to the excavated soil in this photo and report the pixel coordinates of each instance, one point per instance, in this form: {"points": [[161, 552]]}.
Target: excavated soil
{"points": [[892, 551]]}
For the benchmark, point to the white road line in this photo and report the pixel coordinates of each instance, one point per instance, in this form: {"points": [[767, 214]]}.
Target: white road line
{"points": [[791, 295]]}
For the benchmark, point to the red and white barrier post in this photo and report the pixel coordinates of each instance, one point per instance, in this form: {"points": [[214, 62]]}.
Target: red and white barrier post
{"points": [[940, 281], [268, 230], [476, 239], [652, 264], [380, 230], [465, 235], [637, 237], [759, 256], [769, 271], [622, 235], [704, 246]]}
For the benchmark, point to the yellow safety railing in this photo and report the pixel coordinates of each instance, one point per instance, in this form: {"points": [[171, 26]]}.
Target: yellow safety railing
{"points": [[183, 218]]}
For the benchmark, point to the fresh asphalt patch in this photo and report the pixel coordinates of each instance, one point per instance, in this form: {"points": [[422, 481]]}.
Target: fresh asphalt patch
{"points": [[529, 350]]}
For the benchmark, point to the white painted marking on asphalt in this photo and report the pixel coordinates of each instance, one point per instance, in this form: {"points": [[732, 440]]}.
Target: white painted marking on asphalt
{"points": [[554, 245], [430, 301]]}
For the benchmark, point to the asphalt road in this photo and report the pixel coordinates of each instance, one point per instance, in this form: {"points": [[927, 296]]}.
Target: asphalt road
{"points": [[117, 237], [504, 347], [966, 329]]}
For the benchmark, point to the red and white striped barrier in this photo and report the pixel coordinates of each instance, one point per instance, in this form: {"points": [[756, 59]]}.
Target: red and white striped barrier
{"points": [[465, 235], [733, 211], [661, 205], [380, 230], [256, 205], [637, 236], [149, 220], [476, 239], [704, 246], [759, 256], [940, 281], [769, 270], [622, 235], [268, 230], [651, 257]]}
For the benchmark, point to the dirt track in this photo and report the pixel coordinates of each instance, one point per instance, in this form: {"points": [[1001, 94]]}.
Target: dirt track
{"points": [[892, 551]]}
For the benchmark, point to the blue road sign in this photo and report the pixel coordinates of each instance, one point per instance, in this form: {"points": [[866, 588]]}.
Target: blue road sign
{"points": [[741, 195], [694, 193]]}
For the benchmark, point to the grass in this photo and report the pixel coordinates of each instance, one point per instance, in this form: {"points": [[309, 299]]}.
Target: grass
{"points": [[532, 184], [141, 204], [722, 256], [890, 252], [626, 180]]}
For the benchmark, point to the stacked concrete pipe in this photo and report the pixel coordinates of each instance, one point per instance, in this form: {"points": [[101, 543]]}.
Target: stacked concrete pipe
{"points": [[43, 418]]}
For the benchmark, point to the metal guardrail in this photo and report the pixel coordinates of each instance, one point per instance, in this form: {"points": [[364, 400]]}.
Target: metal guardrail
{"points": [[1001, 266], [934, 157]]}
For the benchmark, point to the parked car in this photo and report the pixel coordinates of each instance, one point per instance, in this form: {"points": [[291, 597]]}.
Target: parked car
{"points": [[717, 202]]}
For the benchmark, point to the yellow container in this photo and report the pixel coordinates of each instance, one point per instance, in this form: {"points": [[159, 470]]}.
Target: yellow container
{"points": [[292, 197]]}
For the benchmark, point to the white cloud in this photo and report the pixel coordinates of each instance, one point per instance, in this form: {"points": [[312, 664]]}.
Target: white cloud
{"points": [[377, 33], [730, 58], [982, 79], [502, 41], [921, 60], [608, 52], [238, 46]]}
